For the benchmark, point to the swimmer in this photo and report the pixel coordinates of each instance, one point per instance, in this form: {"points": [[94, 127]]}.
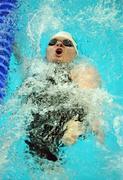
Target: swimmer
{"points": [[62, 48], [61, 51]]}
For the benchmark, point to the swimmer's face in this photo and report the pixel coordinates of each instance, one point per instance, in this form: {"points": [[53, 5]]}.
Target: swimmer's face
{"points": [[60, 50]]}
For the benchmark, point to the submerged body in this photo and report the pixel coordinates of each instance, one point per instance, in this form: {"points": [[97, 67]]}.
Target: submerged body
{"points": [[48, 127]]}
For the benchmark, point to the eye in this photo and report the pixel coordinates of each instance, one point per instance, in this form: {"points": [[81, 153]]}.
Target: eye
{"points": [[68, 43], [52, 42]]}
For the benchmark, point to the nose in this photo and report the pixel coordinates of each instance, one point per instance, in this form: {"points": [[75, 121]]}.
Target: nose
{"points": [[59, 44]]}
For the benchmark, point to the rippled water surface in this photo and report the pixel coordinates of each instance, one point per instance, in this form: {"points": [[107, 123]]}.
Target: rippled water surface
{"points": [[98, 30]]}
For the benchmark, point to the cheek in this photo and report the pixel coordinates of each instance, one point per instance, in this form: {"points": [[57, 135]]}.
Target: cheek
{"points": [[70, 53], [49, 51]]}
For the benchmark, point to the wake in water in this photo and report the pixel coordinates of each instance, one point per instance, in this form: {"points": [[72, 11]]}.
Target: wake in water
{"points": [[18, 114], [41, 107]]}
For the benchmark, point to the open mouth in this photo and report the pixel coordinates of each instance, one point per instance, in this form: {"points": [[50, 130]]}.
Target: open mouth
{"points": [[59, 51]]}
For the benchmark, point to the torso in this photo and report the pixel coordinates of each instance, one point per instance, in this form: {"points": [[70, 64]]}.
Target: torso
{"points": [[54, 109]]}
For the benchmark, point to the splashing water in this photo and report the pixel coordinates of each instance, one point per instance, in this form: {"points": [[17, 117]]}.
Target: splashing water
{"points": [[42, 19], [92, 25]]}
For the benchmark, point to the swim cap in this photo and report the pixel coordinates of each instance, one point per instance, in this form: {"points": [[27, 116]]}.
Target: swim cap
{"points": [[66, 35]]}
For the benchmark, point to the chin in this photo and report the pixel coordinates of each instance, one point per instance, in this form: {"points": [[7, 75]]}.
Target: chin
{"points": [[58, 60]]}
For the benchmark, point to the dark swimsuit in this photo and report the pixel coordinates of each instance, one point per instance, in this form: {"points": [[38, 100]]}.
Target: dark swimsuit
{"points": [[46, 130]]}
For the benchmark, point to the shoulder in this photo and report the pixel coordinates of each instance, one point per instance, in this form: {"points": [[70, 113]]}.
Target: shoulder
{"points": [[84, 69], [86, 75]]}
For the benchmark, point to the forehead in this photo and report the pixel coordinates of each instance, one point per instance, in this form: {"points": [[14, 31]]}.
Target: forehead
{"points": [[59, 37]]}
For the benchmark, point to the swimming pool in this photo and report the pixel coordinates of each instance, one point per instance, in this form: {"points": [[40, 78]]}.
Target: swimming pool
{"points": [[98, 29]]}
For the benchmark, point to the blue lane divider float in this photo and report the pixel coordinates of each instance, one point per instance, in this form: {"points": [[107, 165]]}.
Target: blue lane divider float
{"points": [[7, 30]]}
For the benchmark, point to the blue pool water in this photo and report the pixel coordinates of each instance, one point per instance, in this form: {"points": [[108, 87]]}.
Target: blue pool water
{"points": [[98, 29]]}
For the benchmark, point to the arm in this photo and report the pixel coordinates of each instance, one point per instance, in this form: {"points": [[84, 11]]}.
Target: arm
{"points": [[17, 53], [87, 77], [96, 128], [20, 59]]}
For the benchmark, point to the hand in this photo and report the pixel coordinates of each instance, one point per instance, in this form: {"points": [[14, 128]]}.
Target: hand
{"points": [[74, 129]]}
